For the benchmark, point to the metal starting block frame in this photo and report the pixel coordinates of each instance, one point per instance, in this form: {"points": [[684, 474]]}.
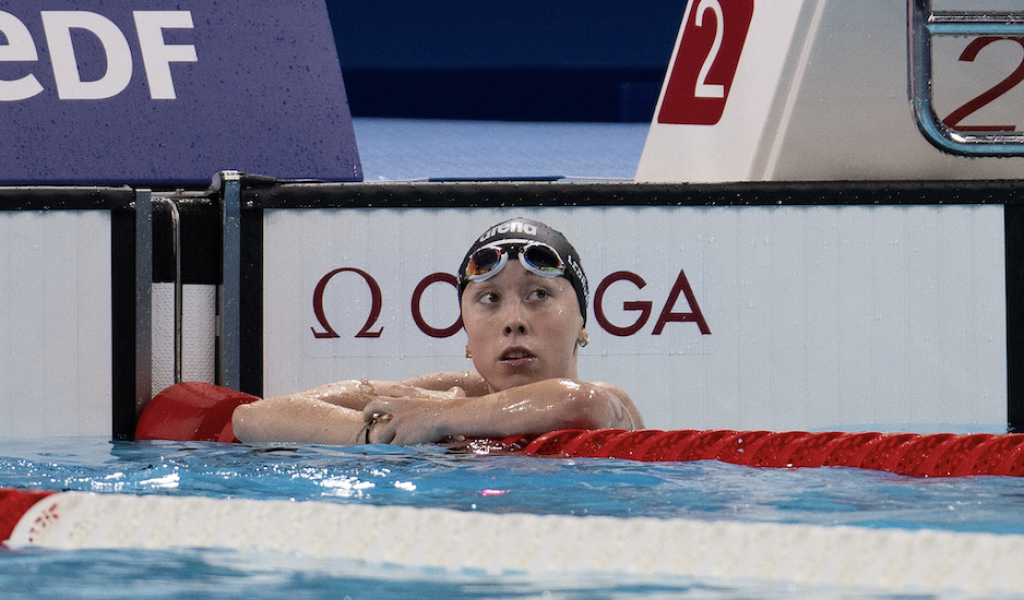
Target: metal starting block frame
{"points": [[923, 24]]}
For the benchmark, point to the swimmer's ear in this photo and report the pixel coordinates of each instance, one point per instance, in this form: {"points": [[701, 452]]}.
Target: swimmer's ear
{"points": [[583, 338]]}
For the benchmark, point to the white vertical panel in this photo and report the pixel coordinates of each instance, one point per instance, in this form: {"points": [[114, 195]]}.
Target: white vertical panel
{"points": [[55, 325], [199, 334], [755, 310], [163, 336], [813, 337]]}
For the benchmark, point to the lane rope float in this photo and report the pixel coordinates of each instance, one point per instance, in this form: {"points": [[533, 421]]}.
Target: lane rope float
{"points": [[893, 560]]}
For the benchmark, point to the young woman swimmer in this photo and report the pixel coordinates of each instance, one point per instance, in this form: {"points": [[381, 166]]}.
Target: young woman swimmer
{"points": [[523, 295]]}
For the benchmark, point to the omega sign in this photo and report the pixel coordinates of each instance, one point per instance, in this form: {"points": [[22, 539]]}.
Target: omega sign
{"points": [[645, 308]]}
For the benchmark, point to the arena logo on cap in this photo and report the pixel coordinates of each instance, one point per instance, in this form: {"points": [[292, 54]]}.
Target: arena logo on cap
{"points": [[514, 227]]}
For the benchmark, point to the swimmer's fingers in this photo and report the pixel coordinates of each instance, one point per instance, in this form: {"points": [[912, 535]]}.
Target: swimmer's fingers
{"points": [[407, 421], [381, 429], [376, 416]]}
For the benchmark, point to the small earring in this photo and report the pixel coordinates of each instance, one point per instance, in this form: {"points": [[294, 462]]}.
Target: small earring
{"points": [[468, 353], [584, 339]]}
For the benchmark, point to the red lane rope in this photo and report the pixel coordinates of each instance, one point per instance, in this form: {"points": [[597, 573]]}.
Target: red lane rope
{"points": [[202, 412], [13, 505], [919, 455]]}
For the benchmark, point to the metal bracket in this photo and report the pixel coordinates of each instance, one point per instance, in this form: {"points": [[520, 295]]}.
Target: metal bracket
{"points": [[922, 25], [230, 292], [143, 299], [179, 304]]}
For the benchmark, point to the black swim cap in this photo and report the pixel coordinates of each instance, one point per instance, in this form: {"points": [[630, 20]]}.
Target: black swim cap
{"points": [[529, 230]]}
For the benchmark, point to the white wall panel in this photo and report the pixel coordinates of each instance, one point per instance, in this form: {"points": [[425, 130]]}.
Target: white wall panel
{"points": [[55, 323]]}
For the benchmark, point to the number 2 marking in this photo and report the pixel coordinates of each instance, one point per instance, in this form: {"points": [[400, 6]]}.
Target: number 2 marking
{"points": [[705, 64], [958, 115], [704, 89]]}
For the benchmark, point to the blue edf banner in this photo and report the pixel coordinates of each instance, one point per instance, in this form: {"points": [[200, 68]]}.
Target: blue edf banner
{"points": [[171, 92]]}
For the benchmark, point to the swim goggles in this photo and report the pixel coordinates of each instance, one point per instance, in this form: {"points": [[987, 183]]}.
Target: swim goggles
{"points": [[537, 257]]}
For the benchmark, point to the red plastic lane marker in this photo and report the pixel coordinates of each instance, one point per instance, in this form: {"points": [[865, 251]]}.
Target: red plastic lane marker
{"points": [[807, 450], [845, 450], [702, 446], [931, 455], [740, 448], [947, 459], [986, 457], [917, 452], [590, 443], [550, 444], [630, 445], [657, 447], [13, 505]]}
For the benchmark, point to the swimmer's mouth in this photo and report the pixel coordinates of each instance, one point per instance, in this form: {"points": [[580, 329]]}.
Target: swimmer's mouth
{"points": [[515, 354]]}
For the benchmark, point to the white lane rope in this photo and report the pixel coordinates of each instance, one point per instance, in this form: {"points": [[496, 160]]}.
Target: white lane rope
{"points": [[886, 559]]}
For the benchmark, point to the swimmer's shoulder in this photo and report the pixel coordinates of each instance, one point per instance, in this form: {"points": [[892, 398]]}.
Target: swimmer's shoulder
{"points": [[627, 403]]}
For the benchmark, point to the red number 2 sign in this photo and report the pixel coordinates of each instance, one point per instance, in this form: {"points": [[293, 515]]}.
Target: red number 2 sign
{"points": [[706, 62], [1007, 84]]}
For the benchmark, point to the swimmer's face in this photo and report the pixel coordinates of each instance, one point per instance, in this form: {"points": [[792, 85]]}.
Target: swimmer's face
{"points": [[522, 327]]}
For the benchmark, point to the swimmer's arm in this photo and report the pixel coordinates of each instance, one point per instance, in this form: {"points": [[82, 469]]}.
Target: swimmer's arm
{"points": [[531, 409], [357, 393], [469, 381], [298, 420], [331, 413], [328, 414]]}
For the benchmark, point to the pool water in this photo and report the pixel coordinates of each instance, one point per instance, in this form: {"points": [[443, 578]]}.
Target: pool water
{"points": [[430, 476]]}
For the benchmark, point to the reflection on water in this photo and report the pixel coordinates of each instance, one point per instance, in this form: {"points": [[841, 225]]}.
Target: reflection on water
{"points": [[431, 477]]}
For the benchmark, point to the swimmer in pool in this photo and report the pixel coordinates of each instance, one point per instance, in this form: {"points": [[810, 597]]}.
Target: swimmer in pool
{"points": [[523, 296]]}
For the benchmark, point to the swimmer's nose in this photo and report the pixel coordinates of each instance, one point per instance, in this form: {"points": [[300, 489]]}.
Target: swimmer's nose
{"points": [[520, 329], [514, 321]]}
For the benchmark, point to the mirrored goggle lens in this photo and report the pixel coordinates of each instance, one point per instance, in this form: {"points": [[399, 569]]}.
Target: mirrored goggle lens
{"points": [[543, 260], [483, 262]]}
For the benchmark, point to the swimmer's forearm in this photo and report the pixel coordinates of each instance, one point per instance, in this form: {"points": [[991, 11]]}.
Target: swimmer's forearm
{"points": [[297, 420], [351, 393], [538, 408], [469, 381]]}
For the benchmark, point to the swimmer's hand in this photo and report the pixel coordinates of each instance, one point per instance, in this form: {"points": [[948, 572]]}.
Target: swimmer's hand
{"points": [[409, 419], [530, 409]]}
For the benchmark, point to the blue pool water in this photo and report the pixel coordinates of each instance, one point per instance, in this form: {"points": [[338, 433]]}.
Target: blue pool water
{"points": [[431, 477], [397, 149]]}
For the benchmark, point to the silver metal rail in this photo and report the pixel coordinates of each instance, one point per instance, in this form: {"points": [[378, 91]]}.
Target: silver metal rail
{"points": [[179, 302], [923, 24]]}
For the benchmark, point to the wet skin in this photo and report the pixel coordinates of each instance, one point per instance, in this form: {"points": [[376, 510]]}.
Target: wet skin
{"points": [[522, 328]]}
